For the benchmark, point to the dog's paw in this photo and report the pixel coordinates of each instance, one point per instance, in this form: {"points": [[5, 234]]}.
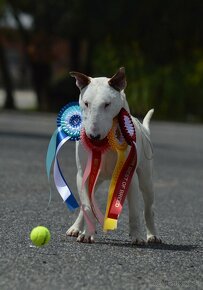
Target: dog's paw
{"points": [[137, 238], [73, 232], [85, 238], [154, 240], [138, 242]]}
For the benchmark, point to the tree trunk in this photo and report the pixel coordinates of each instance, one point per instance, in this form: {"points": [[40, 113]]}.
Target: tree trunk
{"points": [[9, 104], [40, 69]]}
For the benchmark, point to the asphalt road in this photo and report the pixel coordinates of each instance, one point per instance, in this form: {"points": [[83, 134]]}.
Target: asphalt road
{"points": [[110, 263]]}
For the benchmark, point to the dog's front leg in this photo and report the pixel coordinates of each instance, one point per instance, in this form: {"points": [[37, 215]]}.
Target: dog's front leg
{"points": [[77, 227], [134, 216], [87, 234], [80, 227]]}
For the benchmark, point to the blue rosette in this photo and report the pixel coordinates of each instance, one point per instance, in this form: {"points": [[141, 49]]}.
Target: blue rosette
{"points": [[69, 121]]}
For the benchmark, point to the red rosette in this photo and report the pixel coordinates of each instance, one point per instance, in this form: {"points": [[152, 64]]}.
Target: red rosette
{"points": [[94, 145], [127, 126]]}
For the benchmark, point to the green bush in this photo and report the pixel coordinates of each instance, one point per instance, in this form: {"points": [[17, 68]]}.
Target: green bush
{"points": [[174, 90]]}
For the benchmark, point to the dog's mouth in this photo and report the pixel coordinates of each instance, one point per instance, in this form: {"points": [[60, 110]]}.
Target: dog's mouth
{"points": [[97, 142], [94, 144], [96, 138]]}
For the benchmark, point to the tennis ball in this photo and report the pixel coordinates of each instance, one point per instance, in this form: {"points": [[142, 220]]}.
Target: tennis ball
{"points": [[40, 236]]}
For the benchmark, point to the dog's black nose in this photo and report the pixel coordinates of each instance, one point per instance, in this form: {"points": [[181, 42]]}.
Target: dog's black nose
{"points": [[97, 137]]}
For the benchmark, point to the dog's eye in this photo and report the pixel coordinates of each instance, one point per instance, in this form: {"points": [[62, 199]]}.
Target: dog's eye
{"points": [[107, 105], [86, 104]]}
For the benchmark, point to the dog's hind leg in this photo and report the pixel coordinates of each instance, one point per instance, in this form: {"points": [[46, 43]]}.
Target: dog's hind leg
{"points": [[134, 216], [146, 186]]}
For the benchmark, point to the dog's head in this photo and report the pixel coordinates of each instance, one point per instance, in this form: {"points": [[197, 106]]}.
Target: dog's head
{"points": [[101, 99]]}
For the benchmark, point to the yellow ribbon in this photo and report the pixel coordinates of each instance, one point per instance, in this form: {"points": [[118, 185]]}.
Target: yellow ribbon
{"points": [[117, 143]]}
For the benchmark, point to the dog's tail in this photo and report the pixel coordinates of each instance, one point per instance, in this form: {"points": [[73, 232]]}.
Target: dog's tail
{"points": [[147, 119]]}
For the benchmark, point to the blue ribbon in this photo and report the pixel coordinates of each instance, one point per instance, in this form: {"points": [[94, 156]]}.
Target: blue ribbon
{"points": [[51, 152], [69, 124]]}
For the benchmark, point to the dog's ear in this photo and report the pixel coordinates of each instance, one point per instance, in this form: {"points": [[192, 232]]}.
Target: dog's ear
{"points": [[118, 81], [81, 80]]}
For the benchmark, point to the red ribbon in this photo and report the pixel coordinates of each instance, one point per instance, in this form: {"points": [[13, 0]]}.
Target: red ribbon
{"points": [[97, 148], [95, 168], [126, 174]]}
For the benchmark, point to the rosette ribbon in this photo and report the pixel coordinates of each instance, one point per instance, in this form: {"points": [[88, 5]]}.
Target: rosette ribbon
{"points": [[121, 181], [69, 125], [95, 151], [117, 143]]}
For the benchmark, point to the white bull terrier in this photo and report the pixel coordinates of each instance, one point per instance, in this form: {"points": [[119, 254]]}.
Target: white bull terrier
{"points": [[101, 99]]}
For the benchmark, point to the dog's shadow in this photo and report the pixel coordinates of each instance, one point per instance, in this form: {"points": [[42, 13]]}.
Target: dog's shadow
{"points": [[162, 246]]}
